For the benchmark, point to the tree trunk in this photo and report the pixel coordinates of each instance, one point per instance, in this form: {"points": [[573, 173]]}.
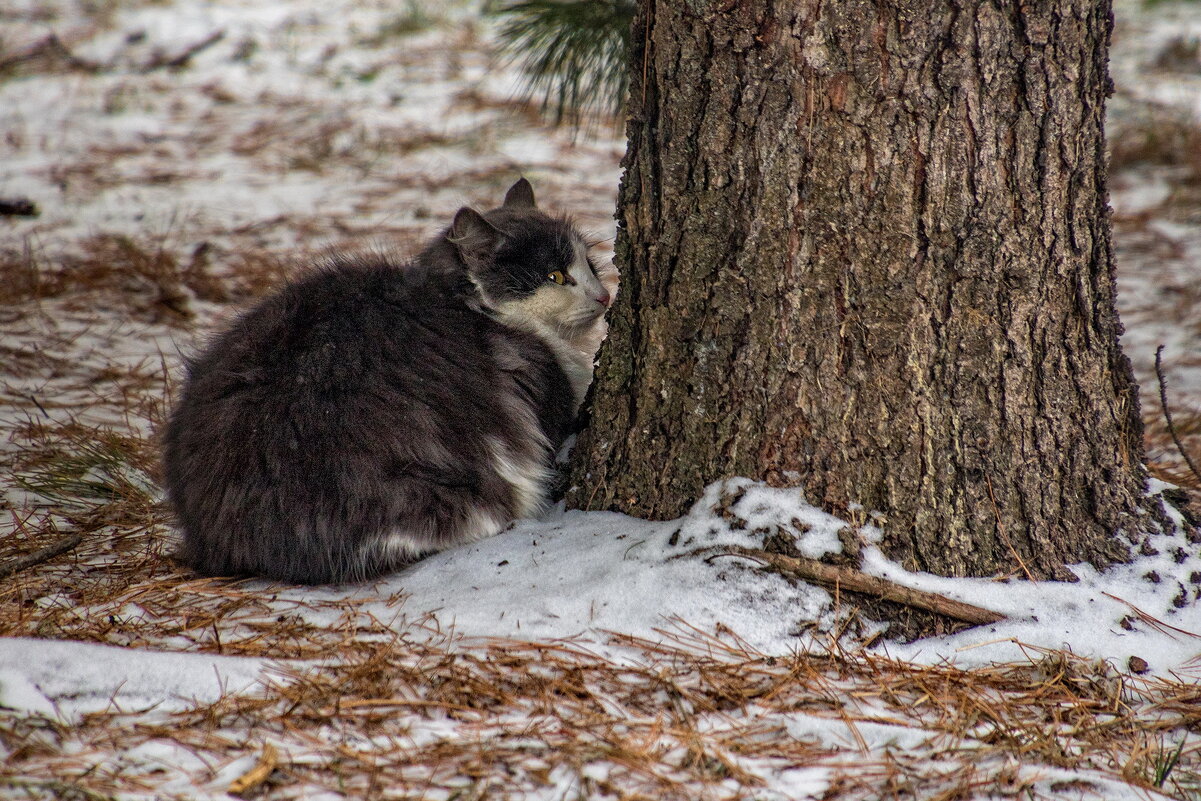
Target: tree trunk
{"points": [[865, 250]]}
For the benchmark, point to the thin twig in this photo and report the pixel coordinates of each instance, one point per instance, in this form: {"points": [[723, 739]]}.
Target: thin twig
{"points": [[1151, 620], [1001, 528], [182, 59], [821, 573], [52, 46], [1167, 413], [37, 557]]}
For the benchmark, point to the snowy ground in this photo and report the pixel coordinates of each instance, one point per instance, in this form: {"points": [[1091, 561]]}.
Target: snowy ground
{"points": [[184, 156]]}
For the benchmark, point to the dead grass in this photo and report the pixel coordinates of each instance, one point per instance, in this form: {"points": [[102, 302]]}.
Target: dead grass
{"points": [[1179, 54], [408, 710], [1157, 136], [46, 56], [420, 714], [235, 277], [1163, 457], [1172, 439], [414, 17], [145, 271], [295, 140], [150, 276]]}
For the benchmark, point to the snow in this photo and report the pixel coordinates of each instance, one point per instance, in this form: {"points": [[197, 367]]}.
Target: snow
{"points": [[69, 679], [582, 576]]}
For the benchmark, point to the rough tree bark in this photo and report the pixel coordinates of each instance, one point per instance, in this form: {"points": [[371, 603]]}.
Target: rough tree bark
{"points": [[865, 250]]}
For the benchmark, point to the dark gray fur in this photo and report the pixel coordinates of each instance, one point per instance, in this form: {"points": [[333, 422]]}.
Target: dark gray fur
{"points": [[360, 402]]}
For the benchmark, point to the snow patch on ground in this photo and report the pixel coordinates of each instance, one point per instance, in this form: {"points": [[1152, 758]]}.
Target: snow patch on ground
{"points": [[582, 576], [66, 679]]}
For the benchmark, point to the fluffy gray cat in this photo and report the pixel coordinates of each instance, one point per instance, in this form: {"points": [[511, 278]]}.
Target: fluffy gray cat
{"points": [[374, 412]]}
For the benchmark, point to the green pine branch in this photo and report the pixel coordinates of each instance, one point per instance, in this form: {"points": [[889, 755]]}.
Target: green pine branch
{"points": [[573, 53]]}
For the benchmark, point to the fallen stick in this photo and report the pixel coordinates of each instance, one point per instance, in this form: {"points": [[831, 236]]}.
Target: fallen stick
{"points": [[37, 557], [855, 581], [181, 60], [1167, 413], [52, 47]]}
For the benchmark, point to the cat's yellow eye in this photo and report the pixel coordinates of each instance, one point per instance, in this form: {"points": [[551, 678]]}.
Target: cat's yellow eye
{"points": [[558, 276]]}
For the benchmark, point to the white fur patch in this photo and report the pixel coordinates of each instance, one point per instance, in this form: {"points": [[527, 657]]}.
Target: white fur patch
{"points": [[402, 546], [562, 317], [481, 525], [399, 546], [527, 475]]}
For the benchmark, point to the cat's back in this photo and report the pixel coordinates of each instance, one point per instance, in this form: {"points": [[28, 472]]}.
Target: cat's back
{"points": [[356, 371], [322, 336]]}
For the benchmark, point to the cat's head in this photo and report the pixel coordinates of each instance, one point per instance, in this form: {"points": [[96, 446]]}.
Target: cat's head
{"points": [[528, 266]]}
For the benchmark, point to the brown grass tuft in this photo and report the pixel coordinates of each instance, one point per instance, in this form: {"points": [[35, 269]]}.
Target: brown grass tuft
{"points": [[150, 277], [1179, 54], [145, 271], [1158, 137]]}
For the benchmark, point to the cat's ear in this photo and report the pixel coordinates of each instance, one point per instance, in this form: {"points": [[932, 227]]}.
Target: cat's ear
{"points": [[520, 196], [472, 234]]}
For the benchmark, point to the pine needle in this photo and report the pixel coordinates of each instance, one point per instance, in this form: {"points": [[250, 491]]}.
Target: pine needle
{"points": [[573, 53]]}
